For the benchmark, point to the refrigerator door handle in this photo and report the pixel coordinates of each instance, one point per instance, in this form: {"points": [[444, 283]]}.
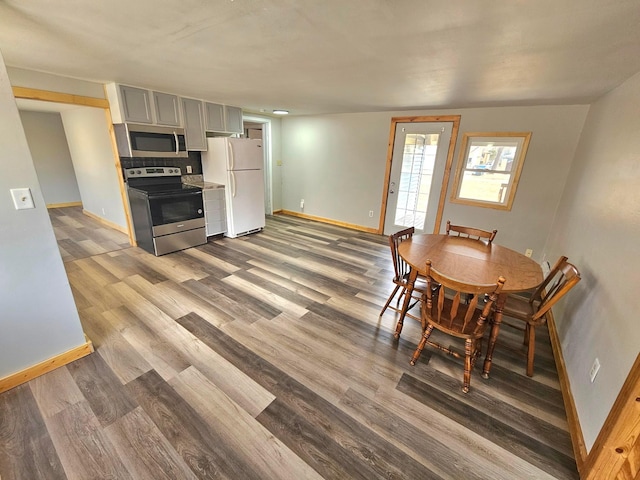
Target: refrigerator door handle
{"points": [[231, 162], [233, 184]]}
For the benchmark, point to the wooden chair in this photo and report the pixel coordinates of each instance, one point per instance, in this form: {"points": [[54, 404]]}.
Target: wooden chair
{"points": [[454, 316], [470, 232], [533, 309], [401, 278]]}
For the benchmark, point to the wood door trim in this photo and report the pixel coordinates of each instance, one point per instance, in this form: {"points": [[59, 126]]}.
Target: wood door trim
{"points": [[455, 119], [70, 99], [614, 454]]}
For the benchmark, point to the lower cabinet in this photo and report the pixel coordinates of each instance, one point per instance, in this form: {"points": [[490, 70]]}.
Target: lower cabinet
{"points": [[215, 213]]}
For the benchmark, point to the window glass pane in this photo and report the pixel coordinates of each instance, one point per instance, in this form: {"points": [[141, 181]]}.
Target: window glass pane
{"points": [[416, 175], [484, 186], [489, 167]]}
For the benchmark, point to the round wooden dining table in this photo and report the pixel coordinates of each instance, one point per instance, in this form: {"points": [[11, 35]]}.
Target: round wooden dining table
{"points": [[471, 261]]}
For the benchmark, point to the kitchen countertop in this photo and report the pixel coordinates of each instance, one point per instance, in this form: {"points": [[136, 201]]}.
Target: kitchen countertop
{"points": [[196, 181]]}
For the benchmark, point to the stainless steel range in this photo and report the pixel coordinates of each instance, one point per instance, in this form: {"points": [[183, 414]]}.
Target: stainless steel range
{"points": [[167, 215]]}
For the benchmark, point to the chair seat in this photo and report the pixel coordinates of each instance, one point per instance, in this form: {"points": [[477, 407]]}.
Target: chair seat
{"points": [[518, 307]]}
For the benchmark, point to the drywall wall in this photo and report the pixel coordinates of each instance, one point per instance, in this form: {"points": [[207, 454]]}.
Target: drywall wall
{"points": [[39, 319], [92, 155], [45, 81], [336, 163], [51, 157], [598, 227]]}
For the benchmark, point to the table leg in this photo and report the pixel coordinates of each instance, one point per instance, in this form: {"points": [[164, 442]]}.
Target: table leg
{"points": [[493, 335], [413, 275]]}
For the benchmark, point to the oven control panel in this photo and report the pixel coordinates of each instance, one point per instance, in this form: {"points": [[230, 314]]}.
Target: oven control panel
{"points": [[145, 172]]}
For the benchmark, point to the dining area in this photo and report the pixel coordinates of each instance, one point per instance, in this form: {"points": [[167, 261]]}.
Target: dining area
{"points": [[464, 284]]}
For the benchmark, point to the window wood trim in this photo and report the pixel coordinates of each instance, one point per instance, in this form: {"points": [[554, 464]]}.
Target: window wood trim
{"points": [[511, 192]]}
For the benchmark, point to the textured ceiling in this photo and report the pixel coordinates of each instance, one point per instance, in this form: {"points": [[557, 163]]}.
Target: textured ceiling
{"points": [[329, 56]]}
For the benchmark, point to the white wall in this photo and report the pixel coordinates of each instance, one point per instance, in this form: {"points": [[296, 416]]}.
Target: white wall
{"points": [[51, 157], [54, 83], [598, 228], [38, 318], [336, 163], [92, 155]]}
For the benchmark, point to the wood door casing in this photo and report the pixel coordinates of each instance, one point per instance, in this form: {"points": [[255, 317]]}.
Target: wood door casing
{"points": [[455, 119]]}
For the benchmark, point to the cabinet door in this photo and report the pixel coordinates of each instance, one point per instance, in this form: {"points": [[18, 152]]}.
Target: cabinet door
{"points": [[194, 124], [214, 117], [233, 119], [136, 104], [167, 109]]}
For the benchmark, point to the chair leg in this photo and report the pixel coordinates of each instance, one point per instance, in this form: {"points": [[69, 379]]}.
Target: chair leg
{"points": [[393, 294], [527, 330], [423, 342], [468, 352], [531, 349]]}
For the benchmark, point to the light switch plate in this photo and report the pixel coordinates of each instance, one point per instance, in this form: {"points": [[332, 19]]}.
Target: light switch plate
{"points": [[22, 198]]}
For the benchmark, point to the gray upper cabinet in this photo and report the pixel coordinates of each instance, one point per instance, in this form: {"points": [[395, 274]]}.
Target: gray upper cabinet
{"points": [[233, 119], [193, 115], [214, 117], [167, 108], [136, 104]]}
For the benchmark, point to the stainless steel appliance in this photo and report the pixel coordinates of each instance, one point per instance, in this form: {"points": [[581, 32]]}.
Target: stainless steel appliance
{"points": [[167, 215], [150, 141]]}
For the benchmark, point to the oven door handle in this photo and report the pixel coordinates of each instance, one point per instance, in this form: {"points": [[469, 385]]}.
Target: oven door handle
{"points": [[173, 195]]}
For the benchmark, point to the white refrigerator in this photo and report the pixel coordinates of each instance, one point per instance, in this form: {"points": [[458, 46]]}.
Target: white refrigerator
{"points": [[237, 164]]}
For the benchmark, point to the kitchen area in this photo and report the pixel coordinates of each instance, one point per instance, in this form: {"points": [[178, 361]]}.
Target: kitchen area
{"points": [[177, 184]]}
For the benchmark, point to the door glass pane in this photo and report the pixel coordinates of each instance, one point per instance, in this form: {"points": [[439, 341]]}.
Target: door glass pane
{"points": [[416, 175]]}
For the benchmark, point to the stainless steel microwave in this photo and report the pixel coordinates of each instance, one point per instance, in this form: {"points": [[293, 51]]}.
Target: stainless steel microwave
{"points": [[150, 141]]}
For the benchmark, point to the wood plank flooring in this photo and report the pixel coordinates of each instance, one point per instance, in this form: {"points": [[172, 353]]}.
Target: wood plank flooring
{"points": [[263, 357]]}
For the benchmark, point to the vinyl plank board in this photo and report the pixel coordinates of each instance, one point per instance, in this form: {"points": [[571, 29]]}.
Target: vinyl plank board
{"points": [[277, 302], [537, 453], [166, 265], [100, 297], [267, 279], [106, 396], [192, 296], [201, 448], [220, 250], [160, 353], [320, 281], [128, 265], [85, 451], [145, 452], [253, 303], [428, 449], [26, 450], [95, 272], [202, 256], [73, 248], [229, 377], [55, 391], [254, 444], [290, 394], [505, 393], [455, 436]]}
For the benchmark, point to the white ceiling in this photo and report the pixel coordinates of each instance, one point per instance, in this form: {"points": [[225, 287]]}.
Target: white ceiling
{"points": [[328, 56]]}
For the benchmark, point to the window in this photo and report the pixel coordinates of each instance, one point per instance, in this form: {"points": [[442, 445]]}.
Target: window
{"points": [[489, 169]]}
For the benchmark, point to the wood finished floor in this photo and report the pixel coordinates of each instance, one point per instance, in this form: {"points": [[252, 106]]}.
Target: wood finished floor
{"points": [[264, 357]]}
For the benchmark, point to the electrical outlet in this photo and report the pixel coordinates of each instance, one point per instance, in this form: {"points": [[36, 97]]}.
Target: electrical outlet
{"points": [[594, 370], [302, 204], [189, 169], [370, 213], [528, 252], [103, 212]]}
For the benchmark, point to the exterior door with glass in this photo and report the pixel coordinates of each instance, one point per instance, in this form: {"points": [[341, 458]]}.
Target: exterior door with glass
{"points": [[420, 167]]}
